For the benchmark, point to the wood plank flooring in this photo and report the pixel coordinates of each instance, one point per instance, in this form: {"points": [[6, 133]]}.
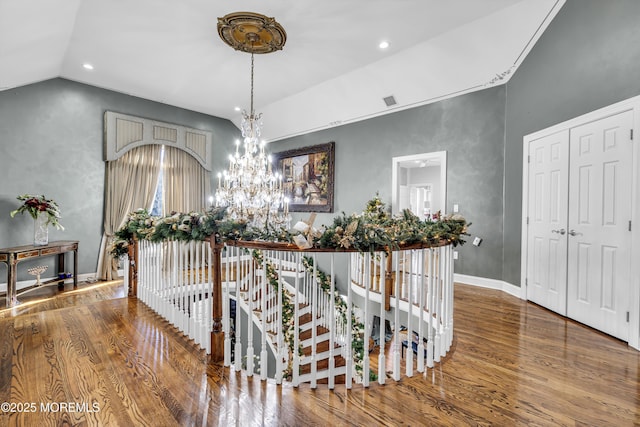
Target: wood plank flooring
{"points": [[97, 358]]}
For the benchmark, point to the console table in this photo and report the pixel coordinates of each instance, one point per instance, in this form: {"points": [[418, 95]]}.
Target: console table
{"points": [[12, 256]]}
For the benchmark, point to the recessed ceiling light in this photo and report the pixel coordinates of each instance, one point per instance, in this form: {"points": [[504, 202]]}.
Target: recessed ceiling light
{"points": [[383, 44], [87, 66], [237, 108]]}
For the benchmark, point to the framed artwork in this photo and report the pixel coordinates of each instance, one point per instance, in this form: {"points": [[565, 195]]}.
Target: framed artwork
{"points": [[307, 176]]}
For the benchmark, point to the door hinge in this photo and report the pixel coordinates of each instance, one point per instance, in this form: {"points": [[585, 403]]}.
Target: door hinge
{"points": [[629, 225], [527, 220], [627, 317], [631, 132], [529, 157]]}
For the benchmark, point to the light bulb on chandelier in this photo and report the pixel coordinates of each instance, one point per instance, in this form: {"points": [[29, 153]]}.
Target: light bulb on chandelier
{"points": [[249, 188]]}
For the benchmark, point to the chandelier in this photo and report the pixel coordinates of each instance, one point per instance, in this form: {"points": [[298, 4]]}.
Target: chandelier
{"points": [[249, 189]]}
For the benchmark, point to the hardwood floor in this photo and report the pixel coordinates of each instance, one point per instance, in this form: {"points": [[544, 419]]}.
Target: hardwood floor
{"points": [[95, 357]]}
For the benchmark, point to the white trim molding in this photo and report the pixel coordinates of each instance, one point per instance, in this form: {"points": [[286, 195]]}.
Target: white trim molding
{"points": [[483, 282]]}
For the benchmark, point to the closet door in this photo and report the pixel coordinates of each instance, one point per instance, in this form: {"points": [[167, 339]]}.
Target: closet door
{"points": [[599, 239], [547, 215]]}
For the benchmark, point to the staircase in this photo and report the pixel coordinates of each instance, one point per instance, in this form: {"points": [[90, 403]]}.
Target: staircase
{"points": [[320, 362], [316, 364]]}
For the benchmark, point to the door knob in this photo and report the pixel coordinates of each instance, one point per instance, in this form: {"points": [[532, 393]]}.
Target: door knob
{"points": [[573, 233], [561, 231]]}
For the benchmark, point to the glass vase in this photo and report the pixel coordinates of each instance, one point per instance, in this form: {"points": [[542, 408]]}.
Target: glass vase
{"points": [[41, 230]]}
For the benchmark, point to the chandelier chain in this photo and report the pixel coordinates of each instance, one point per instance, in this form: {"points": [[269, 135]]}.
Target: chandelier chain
{"points": [[251, 111]]}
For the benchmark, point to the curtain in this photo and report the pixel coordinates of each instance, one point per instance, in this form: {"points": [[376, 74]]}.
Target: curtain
{"points": [[130, 184], [186, 184], [185, 188]]}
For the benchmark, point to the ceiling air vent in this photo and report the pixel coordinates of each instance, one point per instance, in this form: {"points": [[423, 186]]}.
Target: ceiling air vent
{"points": [[389, 100]]}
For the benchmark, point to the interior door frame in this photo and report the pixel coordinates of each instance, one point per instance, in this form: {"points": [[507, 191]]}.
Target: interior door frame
{"points": [[634, 285]]}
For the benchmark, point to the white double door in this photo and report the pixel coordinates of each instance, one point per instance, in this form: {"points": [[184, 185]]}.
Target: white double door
{"points": [[579, 212]]}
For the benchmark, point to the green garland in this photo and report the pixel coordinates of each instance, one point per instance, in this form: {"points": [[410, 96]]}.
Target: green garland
{"points": [[370, 231], [375, 230]]}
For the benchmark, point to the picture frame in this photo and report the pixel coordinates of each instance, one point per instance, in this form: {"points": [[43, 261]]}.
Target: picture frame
{"points": [[308, 177]]}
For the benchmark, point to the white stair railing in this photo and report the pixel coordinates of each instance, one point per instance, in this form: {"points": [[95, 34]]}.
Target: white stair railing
{"points": [[422, 289], [176, 280]]}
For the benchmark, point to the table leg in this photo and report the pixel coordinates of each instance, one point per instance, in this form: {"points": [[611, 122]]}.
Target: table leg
{"points": [[11, 281], [75, 268], [61, 270]]}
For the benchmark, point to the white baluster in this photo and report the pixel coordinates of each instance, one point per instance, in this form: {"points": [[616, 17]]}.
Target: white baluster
{"points": [[241, 273], [208, 312], [252, 279], [314, 313], [296, 339], [192, 289], [349, 352], [431, 284], [151, 279], [171, 296], [263, 305], [142, 288], [445, 300], [179, 295], [280, 347], [226, 305], [143, 271], [383, 316], [166, 294], [396, 320], [409, 274], [332, 327], [436, 305], [450, 287], [421, 307], [367, 320], [191, 286]]}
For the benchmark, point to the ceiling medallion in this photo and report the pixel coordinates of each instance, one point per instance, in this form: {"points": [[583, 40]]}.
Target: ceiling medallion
{"points": [[251, 32]]}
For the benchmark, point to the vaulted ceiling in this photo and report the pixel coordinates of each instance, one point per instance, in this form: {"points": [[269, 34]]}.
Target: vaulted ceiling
{"points": [[330, 72]]}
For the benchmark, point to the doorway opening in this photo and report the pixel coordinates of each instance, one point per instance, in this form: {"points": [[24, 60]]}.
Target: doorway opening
{"points": [[419, 183]]}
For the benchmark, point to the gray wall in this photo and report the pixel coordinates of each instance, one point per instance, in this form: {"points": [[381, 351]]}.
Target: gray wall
{"points": [[51, 143], [469, 127], [588, 58]]}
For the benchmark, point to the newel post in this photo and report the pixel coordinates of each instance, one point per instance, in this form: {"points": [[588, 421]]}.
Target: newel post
{"points": [[388, 280], [217, 331], [132, 252]]}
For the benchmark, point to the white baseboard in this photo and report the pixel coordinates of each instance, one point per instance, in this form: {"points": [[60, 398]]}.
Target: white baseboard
{"points": [[483, 282], [26, 283]]}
